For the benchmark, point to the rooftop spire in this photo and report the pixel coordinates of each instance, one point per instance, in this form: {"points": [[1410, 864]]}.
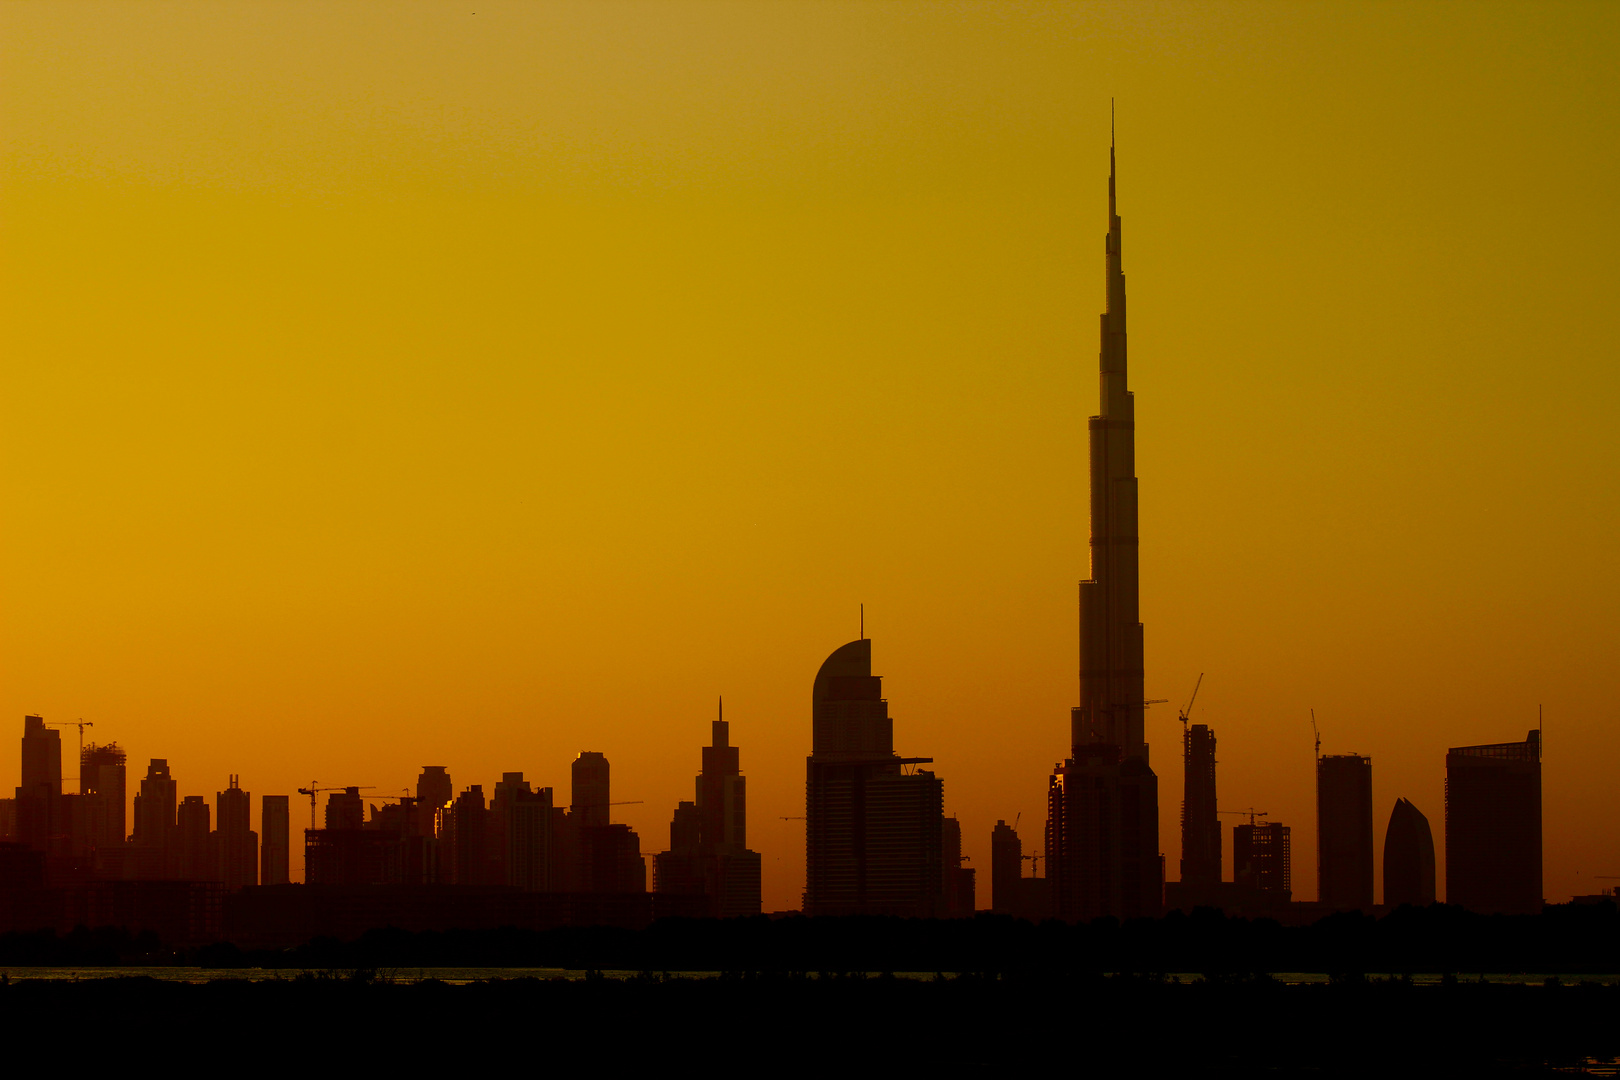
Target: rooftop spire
{"points": [[1110, 163]]}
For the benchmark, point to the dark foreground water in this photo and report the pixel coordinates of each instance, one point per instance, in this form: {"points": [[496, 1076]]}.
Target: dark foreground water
{"points": [[448, 1021]]}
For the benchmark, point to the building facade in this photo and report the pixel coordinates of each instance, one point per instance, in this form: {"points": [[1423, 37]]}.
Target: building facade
{"points": [[708, 854], [872, 818], [1344, 831], [39, 809], [236, 845], [1262, 860], [1408, 858], [1200, 827], [1102, 830], [1493, 826], [275, 854]]}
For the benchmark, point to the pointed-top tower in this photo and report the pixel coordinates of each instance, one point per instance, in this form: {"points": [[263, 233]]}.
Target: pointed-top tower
{"points": [[1111, 690], [1102, 826]]}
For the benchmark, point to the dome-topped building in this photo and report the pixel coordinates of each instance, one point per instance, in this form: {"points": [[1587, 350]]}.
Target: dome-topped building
{"points": [[872, 837]]}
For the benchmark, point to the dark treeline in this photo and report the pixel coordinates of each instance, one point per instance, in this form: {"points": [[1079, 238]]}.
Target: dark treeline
{"points": [[774, 1024], [1567, 939]]}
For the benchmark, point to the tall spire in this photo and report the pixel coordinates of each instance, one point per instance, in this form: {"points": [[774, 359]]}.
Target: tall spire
{"points": [[1111, 214], [1111, 684]]}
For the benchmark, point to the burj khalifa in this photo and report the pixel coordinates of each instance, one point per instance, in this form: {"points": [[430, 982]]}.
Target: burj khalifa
{"points": [[1102, 830], [1111, 697]]}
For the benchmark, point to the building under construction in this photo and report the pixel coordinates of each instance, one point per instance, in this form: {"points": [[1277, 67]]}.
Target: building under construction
{"points": [[1262, 862], [1200, 827]]}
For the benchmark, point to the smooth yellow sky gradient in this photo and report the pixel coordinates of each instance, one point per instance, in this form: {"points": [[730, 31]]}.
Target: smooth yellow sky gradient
{"points": [[392, 384]]}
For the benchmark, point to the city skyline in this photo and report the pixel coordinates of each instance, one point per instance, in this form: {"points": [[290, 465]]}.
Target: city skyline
{"points": [[453, 407]]}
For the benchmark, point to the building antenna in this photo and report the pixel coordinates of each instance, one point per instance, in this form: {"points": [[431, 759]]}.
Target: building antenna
{"points": [[1318, 735], [863, 622], [720, 710]]}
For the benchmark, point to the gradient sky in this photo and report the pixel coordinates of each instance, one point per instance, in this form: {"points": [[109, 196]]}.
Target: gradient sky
{"points": [[393, 384]]}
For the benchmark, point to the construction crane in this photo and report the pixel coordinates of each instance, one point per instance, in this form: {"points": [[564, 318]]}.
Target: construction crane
{"points": [[313, 790], [793, 819], [1318, 735], [1186, 732], [1187, 712], [1034, 860], [80, 723], [1251, 813]]}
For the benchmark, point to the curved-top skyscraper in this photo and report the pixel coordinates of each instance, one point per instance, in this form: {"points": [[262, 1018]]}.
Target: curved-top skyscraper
{"points": [[1102, 826], [872, 820]]}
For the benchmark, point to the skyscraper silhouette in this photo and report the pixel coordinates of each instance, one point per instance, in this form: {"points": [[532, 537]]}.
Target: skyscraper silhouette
{"points": [[152, 844], [1408, 858], [1200, 827], [1102, 821], [1344, 831], [236, 845], [708, 852], [1493, 826], [1006, 869], [872, 836], [433, 793], [275, 850], [39, 798], [1262, 859], [469, 857], [101, 781], [957, 884], [520, 821], [590, 791], [193, 846]]}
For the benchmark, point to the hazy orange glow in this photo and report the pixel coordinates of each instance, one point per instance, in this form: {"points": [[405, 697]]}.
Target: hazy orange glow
{"points": [[393, 384]]}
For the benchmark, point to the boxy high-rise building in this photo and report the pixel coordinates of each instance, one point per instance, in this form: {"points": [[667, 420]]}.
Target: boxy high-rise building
{"points": [[1493, 826], [236, 845], [275, 854], [153, 851], [591, 794], [193, 847], [1006, 868], [1262, 859], [1344, 831], [39, 798], [101, 782], [520, 831], [433, 793], [1200, 827]]}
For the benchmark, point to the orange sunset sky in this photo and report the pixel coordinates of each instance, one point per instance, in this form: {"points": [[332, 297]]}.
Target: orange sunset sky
{"points": [[475, 384]]}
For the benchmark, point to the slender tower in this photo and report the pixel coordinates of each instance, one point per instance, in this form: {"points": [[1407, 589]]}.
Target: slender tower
{"points": [[1102, 824], [1111, 689]]}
